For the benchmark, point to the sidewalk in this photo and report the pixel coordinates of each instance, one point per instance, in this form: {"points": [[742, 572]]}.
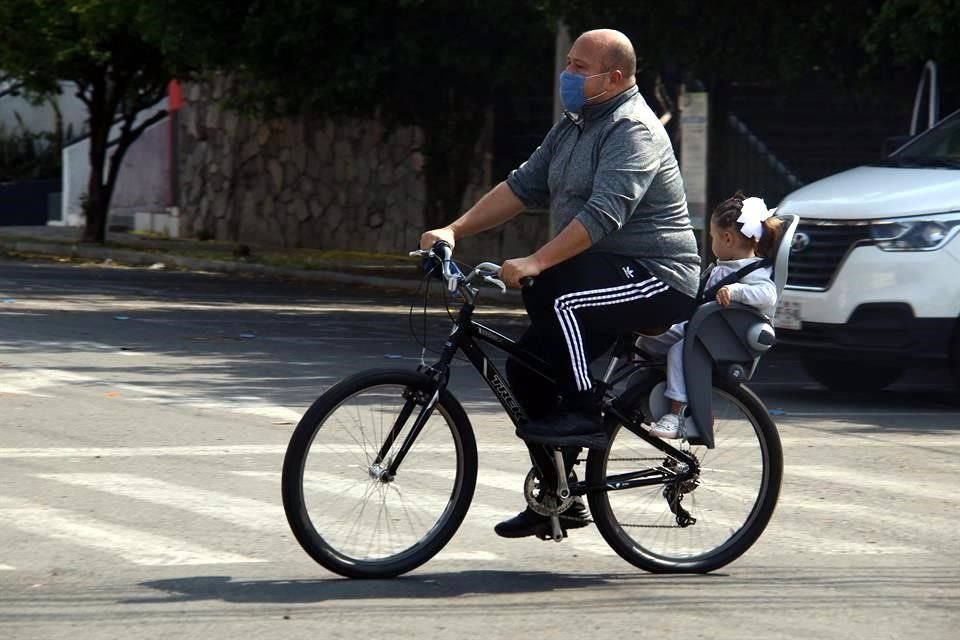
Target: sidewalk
{"points": [[393, 272]]}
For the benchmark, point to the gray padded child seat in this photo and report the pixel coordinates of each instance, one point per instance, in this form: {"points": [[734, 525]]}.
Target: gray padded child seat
{"points": [[728, 341]]}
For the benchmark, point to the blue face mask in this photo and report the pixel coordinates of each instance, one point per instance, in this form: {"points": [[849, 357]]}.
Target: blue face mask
{"points": [[571, 90]]}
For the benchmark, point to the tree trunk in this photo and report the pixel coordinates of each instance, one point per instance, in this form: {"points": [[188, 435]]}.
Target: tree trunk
{"points": [[96, 204]]}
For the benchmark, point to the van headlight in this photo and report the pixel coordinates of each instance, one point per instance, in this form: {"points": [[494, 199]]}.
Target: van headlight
{"points": [[915, 234]]}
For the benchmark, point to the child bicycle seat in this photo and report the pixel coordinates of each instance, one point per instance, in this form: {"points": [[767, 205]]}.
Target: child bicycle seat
{"points": [[728, 341]]}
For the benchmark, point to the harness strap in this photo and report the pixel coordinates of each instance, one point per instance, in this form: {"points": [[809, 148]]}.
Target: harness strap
{"points": [[710, 294]]}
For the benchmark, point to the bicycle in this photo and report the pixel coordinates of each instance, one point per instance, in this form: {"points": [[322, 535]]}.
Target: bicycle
{"points": [[396, 450]]}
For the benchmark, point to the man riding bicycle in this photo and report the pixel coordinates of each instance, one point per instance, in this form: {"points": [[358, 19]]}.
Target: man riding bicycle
{"points": [[623, 254]]}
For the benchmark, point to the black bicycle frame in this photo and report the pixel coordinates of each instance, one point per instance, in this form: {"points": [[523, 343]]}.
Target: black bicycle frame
{"points": [[465, 336]]}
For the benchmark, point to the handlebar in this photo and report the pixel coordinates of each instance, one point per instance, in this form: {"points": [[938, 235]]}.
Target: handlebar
{"points": [[440, 253]]}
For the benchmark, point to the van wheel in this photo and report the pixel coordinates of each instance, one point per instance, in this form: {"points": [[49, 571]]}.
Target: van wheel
{"points": [[838, 375]]}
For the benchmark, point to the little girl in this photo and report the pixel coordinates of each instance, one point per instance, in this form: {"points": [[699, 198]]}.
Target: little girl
{"points": [[743, 232]]}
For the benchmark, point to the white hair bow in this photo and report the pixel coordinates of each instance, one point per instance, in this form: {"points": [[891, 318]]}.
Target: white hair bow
{"points": [[752, 215]]}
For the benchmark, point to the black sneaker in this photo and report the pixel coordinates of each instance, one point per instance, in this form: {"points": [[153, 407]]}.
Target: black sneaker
{"points": [[530, 523], [570, 429]]}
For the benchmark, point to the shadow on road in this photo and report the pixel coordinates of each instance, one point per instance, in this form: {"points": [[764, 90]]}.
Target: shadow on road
{"points": [[426, 585], [784, 586]]}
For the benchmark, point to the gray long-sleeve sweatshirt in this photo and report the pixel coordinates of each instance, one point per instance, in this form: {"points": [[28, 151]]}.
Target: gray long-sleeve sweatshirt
{"points": [[614, 170]]}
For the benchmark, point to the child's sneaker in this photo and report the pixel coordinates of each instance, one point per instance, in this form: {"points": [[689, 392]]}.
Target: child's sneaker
{"points": [[670, 425]]}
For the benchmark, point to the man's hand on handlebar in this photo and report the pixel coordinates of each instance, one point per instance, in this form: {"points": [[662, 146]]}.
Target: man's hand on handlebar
{"points": [[443, 234], [516, 269]]}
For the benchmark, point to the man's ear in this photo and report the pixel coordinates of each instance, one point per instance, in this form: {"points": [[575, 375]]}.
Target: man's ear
{"points": [[616, 77]]}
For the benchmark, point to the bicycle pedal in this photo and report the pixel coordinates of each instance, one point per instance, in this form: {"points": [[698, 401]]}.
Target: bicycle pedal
{"points": [[547, 535]]}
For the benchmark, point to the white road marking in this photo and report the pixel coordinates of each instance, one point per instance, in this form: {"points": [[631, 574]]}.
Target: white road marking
{"points": [[274, 449], [483, 556], [6, 567], [432, 503], [244, 512], [898, 482], [138, 547], [28, 381], [127, 452]]}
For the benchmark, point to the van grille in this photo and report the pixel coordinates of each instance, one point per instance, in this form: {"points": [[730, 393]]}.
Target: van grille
{"points": [[814, 265]]}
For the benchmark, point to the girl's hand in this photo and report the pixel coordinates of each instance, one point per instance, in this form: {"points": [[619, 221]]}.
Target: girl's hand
{"points": [[723, 296]]}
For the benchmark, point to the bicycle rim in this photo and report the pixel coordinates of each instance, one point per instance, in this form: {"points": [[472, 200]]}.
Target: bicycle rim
{"points": [[361, 525], [731, 501]]}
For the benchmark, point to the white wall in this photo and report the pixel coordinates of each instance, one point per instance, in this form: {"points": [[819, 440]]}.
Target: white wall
{"points": [[144, 179]]}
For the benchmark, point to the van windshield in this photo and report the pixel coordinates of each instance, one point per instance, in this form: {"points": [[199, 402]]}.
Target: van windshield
{"points": [[936, 147]]}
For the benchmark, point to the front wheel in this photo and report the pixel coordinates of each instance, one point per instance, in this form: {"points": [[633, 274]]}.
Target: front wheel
{"points": [[343, 506], [706, 521]]}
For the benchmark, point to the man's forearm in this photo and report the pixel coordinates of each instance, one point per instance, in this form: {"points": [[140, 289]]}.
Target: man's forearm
{"points": [[571, 240], [496, 207]]}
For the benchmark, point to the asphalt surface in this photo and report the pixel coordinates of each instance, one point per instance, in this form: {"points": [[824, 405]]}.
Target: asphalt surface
{"points": [[145, 417]]}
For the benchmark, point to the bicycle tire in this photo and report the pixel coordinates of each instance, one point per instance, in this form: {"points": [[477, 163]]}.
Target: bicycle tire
{"points": [[639, 523], [328, 465]]}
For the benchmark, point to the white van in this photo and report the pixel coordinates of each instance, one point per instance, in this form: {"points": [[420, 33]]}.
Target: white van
{"points": [[874, 281]]}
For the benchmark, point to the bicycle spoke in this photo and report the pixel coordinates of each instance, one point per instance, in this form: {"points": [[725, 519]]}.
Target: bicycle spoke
{"points": [[703, 520], [345, 507]]}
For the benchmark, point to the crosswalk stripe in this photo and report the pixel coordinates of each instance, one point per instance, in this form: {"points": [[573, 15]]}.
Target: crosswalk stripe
{"points": [[248, 405], [335, 485], [274, 449], [896, 483], [138, 547], [467, 555], [6, 567], [513, 482], [124, 452], [328, 483], [29, 381], [244, 512], [869, 514]]}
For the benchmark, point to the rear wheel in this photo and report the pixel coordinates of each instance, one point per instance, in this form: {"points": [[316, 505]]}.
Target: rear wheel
{"points": [[700, 524], [838, 375], [342, 505]]}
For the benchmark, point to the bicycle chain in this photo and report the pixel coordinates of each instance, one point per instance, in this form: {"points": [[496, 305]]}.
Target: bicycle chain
{"points": [[644, 526]]}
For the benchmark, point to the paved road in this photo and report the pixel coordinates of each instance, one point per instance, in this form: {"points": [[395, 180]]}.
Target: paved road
{"points": [[144, 419]]}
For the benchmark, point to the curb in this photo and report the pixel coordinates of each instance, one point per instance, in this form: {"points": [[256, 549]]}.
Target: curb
{"points": [[143, 259]]}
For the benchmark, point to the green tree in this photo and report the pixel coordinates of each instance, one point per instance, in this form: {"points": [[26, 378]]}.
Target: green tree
{"points": [[96, 44], [852, 43], [434, 64]]}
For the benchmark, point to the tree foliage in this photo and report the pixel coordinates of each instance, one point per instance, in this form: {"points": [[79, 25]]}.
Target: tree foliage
{"points": [[98, 44], [851, 43], [434, 64]]}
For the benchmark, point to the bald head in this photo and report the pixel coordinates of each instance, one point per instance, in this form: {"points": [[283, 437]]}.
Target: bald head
{"points": [[615, 50]]}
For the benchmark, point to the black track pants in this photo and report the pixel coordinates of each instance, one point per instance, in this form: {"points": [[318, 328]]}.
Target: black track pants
{"points": [[577, 310]]}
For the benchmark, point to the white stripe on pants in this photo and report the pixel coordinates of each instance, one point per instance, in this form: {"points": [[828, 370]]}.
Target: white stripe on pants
{"points": [[566, 305]]}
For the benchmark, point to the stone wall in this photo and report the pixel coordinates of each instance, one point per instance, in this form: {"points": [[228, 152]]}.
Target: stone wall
{"points": [[307, 182]]}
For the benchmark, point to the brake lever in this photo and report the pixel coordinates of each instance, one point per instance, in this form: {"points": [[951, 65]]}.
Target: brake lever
{"points": [[497, 282]]}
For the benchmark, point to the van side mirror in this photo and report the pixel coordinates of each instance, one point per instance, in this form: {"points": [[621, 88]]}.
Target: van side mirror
{"points": [[893, 143]]}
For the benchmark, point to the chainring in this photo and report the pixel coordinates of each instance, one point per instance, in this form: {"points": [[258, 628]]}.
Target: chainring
{"points": [[546, 503]]}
